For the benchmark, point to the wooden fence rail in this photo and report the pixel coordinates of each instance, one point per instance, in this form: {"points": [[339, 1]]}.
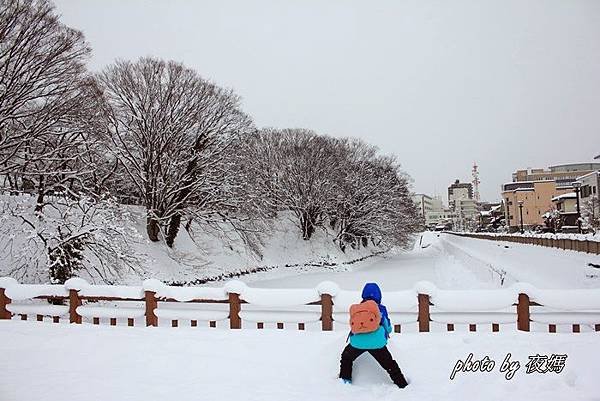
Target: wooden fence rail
{"points": [[587, 246], [235, 303]]}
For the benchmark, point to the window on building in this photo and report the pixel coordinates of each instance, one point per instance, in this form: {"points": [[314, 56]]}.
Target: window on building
{"points": [[586, 191]]}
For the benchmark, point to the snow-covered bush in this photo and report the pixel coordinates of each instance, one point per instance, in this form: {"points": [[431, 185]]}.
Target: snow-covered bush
{"points": [[70, 237]]}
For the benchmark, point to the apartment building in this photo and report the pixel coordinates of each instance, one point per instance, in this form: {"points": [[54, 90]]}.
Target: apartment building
{"points": [[423, 202], [535, 188], [590, 194]]}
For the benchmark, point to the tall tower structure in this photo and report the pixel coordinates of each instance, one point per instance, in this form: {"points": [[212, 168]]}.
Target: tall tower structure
{"points": [[475, 182]]}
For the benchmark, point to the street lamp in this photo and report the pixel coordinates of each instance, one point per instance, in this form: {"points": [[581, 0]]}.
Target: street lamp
{"points": [[521, 213], [577, 188]]}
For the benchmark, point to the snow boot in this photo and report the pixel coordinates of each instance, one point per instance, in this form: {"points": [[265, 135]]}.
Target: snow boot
{"points": [[400, 380]]}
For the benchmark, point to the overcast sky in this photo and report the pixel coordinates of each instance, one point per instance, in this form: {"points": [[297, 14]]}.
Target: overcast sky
{"points": [[506, 84]]}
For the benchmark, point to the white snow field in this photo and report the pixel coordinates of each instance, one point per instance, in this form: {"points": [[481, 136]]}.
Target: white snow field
{"points": [[82, 362], [453, 262]]}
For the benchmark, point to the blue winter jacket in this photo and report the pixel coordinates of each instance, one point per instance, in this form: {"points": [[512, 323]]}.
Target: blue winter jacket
{"points": [[378, 338]]}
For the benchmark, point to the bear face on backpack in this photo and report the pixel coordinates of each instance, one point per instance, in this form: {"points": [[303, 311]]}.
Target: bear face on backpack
{"points": [[364, 317], [363, 336]]}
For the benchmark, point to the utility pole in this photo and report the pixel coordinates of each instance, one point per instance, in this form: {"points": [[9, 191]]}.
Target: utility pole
{"points": [[475, 182], [577, 187], [521, 213]]}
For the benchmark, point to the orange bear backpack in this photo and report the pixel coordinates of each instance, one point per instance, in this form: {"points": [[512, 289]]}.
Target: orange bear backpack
{"points": [[364, 317]]}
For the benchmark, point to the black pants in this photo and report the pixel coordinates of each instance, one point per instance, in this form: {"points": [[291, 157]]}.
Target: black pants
{"points": [[381, 355]]}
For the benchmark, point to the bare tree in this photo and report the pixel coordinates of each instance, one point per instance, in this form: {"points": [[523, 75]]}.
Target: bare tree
{"points": [[170, 129], [372, 198], [41, 66], [362, 195], [70, 157], [294, 170]]}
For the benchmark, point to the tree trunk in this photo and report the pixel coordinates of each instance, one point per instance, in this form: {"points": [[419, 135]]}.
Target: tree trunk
{"points": [[173, 229], [152, 228], [39, 206], [308, 227]]}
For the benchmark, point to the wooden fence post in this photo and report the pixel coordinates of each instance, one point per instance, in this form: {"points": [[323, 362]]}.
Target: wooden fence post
{"points": [[235, 322], [74, 302], [151, 304], [4, 300], [423, 312], [523, 313], [326, 312]]}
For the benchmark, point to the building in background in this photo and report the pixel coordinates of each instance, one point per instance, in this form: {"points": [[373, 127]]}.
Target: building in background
{"points": [[435, 214], [459, 190], [562, 174], [462, 205], [433, 210], [423, 203], [535, 188], [564, 215], [440, 217], [590, 198]]}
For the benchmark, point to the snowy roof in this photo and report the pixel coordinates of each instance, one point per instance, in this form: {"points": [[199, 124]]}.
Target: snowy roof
{"points": [[588, 174], [568, 195], [526, 182]]}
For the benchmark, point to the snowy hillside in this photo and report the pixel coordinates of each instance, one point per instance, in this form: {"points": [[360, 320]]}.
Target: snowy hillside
{"points": [[207, 254]]}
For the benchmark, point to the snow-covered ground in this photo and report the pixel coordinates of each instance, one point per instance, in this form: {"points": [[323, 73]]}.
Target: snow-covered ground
{"points": [[69, 362], [453, 262]]}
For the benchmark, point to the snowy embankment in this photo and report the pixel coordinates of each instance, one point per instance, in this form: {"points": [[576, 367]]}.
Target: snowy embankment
{"points": [[60, 362], [206, 253], [541, 266]]}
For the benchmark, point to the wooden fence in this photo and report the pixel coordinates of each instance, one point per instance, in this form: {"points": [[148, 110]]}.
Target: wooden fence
{"points": [[62, 302], [587, 246]]}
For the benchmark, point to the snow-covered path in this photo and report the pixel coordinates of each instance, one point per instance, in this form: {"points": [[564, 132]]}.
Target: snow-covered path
{"points": [[453, 262], [71, 362]]}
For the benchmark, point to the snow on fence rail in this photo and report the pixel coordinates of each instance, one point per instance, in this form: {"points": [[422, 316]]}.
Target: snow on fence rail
{"points": [[234, 305], [574, 244]]}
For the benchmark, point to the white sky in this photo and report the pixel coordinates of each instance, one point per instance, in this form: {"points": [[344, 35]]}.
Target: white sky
{"points": [[509, 84]]}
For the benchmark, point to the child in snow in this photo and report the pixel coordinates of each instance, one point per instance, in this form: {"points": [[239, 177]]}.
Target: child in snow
{"points": [[374, 343]]}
